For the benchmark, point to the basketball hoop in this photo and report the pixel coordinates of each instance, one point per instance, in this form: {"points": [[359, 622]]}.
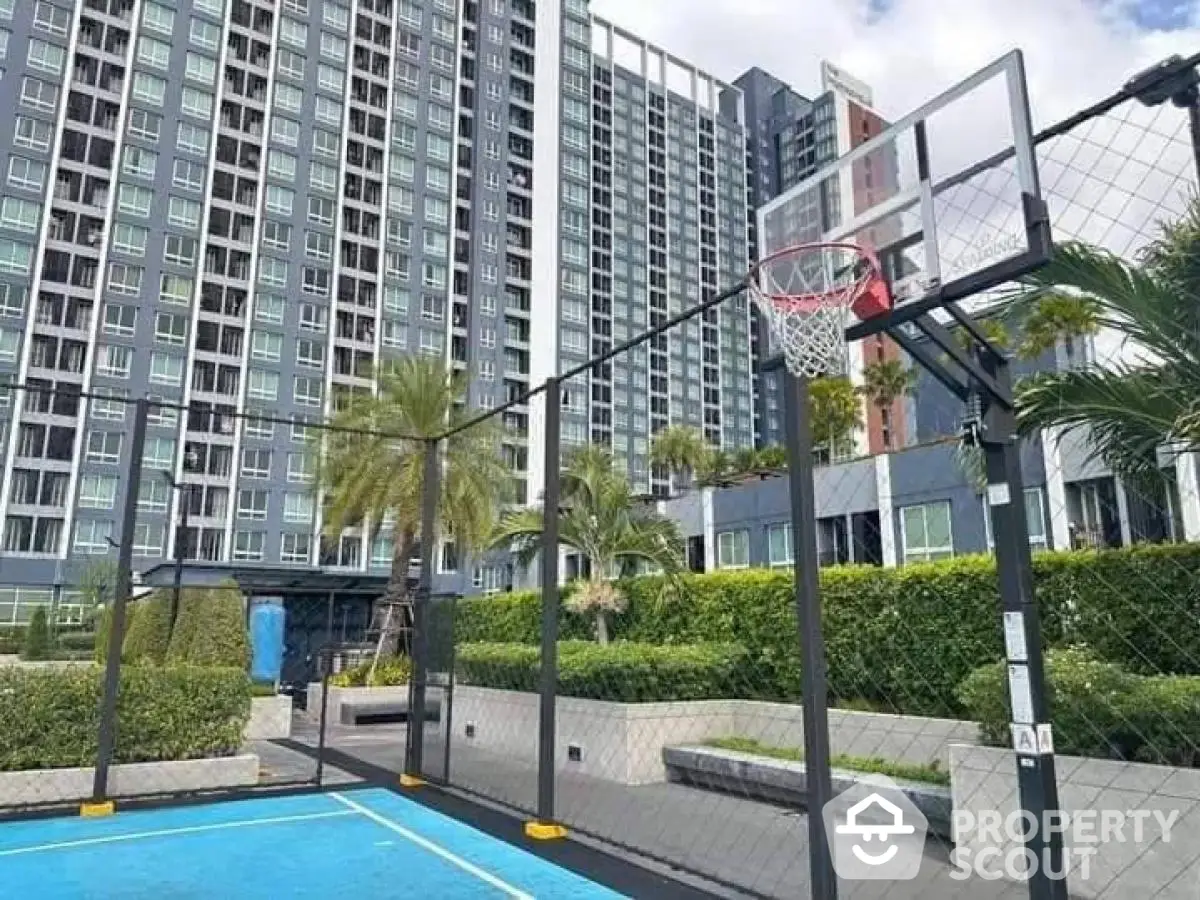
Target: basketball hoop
{"points": [[807, 293]]}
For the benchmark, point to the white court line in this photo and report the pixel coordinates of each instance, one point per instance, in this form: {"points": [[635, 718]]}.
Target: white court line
{"points": [[425, 843], [171, 832]]}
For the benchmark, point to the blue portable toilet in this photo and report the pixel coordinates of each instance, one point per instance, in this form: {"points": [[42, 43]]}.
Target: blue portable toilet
{"points": [[267, 617]]}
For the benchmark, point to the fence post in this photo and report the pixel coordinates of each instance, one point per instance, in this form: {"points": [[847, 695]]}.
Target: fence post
{"points": [[325, 664], [545, 827], [812, 642], [100, 805], [414, 762], [1032, 738]]}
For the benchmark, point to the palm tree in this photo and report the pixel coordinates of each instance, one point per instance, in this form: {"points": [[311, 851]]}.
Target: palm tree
{"points": [[681, 450], [835, 410], [887, 380], [369, 478], [1131, 408], [715, 468], [605, 523]]}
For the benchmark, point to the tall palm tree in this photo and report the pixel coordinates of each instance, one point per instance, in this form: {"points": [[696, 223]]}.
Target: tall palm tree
{"points": [[835, 410], [369, 479], [605, 523], [681, 450], [887, 380], [1131, 407]]}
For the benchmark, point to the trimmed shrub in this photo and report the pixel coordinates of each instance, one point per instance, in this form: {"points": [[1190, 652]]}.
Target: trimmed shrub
{"points": [[147, 629], [620, 672], [12, 641], [49, 718], [1098, 709], [514, 618], [75, 640], [391, 672], [211, 629], [37, 639]]}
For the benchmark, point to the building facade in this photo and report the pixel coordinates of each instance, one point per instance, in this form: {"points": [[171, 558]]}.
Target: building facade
{"points": [[245, 206]]}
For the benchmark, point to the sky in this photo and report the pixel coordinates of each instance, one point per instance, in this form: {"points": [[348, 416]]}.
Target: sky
{"points": [[1077, 51]]}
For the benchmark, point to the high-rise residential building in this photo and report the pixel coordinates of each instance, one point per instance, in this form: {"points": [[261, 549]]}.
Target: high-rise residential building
{"points": [[245, 205], [789, 138]]}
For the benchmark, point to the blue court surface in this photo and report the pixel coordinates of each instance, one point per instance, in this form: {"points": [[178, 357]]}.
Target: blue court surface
{"points": [[362, 843]]}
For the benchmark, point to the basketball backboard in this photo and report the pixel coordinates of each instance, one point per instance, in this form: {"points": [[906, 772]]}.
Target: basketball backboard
{"points": [[947, 197]]}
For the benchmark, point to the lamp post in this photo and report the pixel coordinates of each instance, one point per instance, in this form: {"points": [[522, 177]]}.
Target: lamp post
{"points": [[1172, 79], [180, 543]]}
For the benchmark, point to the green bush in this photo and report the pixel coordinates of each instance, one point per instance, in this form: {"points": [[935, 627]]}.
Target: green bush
{"points": [[391, 672], [37, 638], [75, 640], [622, 672], [211, 629], [147, 629], [12, 641], [49, 717], [902, 639], [1098, 709]]}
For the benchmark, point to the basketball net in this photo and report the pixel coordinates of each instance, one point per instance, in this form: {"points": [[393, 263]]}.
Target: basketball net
{"points": [[807, 293]]}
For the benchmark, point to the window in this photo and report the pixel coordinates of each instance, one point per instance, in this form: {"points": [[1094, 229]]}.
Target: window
{"points": [[35, 134], [196, 103], [320, 210], [315, 281], [272, 271], [288, 97], [107, 404], [281, 165], [280, 200], [45, 57], [113, 361], [183, 212], [290, 64], [269, 308], [326, 144], [148, 539], [394, 334], [438, 147], [252, 504], [259, 429], [307, 391], [134, 200], [212, 7], [38, 95], [248, 545], [122, 278], [925, 532], [733, 549], [149, 88], [201, 68], [335, 15], [286, 131], [300, 467], [779, 544], [296, 548], [92, 537], [313, 318], [10, 340], [48, 17], [1035, 515], [276, 235], [192, 139], [331, 79], [97, 491], [333, 47], [166, 369], [297, 508], [328, 111], [154, 494], [318, 246], [322, 177], [127, 239], [205, 34], [180, 251], [104, 447], [156, 17], [175, 289], [119, 319], [263, 385], [29, 174], [293, 32], [139, 162], [256, 463], [20, 215], [187, 175], [170, 328], [266, 346]]}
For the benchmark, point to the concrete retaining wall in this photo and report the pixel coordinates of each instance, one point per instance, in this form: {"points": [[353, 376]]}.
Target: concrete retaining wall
{"points": [[270, 719], [624, 741], [984, 779], [339, 695], [43, 786]]}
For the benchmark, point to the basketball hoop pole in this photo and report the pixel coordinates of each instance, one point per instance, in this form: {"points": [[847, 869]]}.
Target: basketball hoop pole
{"points": [[815, 693]]}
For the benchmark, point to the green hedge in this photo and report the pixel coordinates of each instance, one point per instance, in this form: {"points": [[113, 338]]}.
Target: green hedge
{"points": [[622, 672], [902, 639], [148, 629], [49, 717], [390, 672], [211, 629], [1098, 709]]}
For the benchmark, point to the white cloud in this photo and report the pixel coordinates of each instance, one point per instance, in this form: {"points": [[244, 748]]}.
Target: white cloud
{"points": [[1076, 51]]}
